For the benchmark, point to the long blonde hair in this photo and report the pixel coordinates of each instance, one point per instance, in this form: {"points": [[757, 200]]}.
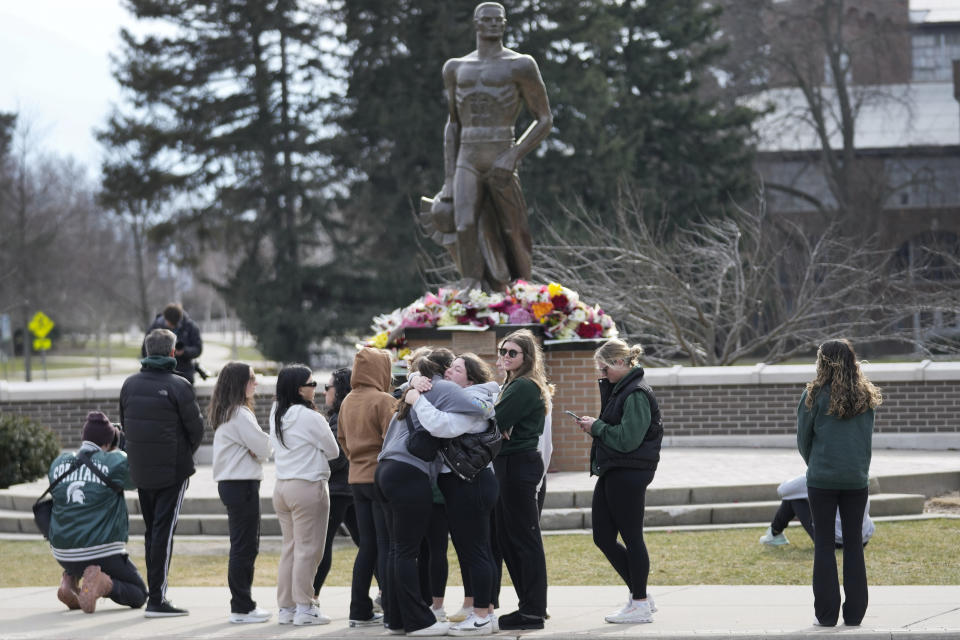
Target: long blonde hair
{"points": [[850, 392], [532, 367]]}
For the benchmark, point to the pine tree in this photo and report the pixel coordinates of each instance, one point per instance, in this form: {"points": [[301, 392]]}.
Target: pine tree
{"points": [[228, 98], [625, 81]]}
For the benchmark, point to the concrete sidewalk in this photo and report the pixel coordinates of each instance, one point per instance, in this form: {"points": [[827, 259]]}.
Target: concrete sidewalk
{"points": [[685, 612]]}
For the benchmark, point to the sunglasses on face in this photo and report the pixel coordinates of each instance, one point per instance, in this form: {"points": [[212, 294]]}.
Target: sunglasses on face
{"points": [[327, 387], [312, 383], [510, 353]]}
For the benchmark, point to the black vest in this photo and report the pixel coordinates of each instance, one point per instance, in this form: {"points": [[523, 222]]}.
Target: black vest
{"points": [[647, 455]]}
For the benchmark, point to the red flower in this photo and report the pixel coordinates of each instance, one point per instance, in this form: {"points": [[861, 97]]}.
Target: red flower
{"points": [[588, 330], [560, 302]]}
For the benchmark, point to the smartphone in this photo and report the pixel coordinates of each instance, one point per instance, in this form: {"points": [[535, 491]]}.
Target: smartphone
{"points": [[575, 416]]}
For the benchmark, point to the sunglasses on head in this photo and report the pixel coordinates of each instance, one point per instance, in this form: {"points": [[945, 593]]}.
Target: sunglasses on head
{"points": [[312, 383], [512, 353]]}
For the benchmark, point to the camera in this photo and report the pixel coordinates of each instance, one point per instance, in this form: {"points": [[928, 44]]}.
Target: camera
{"points": [[203, 373], [119, 438]]}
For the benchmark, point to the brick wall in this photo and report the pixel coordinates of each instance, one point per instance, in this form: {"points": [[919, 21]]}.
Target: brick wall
{"points": [[745, 405]]}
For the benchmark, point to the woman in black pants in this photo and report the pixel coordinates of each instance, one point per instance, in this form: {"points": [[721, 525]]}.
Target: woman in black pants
{"points": [[834, 436], [624, 456], [469, 504], [341, 497], [240, 447], [521, 410]]}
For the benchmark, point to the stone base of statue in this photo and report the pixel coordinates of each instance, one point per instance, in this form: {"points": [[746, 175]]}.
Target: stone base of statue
{"points": [[568, 329]]}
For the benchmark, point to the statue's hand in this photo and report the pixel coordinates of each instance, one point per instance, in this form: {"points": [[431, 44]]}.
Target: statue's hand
{"points": [[446, 193]]}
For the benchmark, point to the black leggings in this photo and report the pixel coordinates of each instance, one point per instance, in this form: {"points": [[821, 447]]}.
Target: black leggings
{"points": [[469, 505], [790, 509], [408, 504], [618, 505], [242, 500], [826, 587], [341, 511], [432, 563], [372, 549]]}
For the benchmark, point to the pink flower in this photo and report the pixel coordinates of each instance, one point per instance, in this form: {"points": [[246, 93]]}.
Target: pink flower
{"points": [[519, 315]]}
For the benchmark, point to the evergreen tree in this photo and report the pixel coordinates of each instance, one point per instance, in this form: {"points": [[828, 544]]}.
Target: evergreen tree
{"points": [[626, 84], [389, 147], [228, 97]]}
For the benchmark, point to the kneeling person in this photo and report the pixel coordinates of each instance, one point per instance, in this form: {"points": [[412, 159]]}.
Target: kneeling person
{"points": [[90, 524]]}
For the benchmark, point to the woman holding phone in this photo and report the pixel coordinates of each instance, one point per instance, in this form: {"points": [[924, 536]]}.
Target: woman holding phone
{"points": [[624, 456]]}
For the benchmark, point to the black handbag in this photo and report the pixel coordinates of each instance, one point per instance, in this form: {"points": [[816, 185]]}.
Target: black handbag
{"points": [[469, 454], [43, 509]]}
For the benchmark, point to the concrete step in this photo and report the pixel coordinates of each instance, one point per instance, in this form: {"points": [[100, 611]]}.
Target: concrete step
{"points": [[556, 519], [881, 504]]}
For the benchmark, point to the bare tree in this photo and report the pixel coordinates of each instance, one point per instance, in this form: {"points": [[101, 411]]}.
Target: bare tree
{"points": [[718, 291]]}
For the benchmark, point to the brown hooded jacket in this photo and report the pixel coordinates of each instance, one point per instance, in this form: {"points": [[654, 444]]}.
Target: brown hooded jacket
{"points": [[366, 412]]}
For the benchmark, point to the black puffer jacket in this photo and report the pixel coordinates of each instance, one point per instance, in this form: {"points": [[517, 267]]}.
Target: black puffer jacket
{"points": [[339, 467], [188, 339], [163, 424]]}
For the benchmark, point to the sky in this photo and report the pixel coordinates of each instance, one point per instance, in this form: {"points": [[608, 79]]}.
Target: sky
{"points": [[56, 70]]}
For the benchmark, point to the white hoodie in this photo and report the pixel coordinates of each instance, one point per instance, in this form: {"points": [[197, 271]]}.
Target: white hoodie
{"points": [[308, 444]]}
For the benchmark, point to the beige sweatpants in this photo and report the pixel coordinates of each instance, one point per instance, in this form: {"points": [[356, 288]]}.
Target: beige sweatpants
{"points": [[302, 507]]}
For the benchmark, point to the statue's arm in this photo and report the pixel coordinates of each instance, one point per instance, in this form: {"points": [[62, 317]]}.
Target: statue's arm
{"points": [[534, 94], [451, 131]]}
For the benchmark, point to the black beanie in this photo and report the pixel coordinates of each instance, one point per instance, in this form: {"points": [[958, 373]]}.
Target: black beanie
{"points": [[98, 429]]}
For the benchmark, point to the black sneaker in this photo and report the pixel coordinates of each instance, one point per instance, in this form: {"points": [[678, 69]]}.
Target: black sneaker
{"points": [[517, 620], [163, 610]]}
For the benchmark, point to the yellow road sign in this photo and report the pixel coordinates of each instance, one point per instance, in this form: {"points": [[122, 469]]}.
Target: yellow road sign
{"points": [[40, 325], [41, 344]]}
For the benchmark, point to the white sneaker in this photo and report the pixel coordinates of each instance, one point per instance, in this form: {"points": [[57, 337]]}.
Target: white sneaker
{"points": [[257, 615], [773, 540], [378, 604], [375, 619], [461, 615], [439, 614], [436, 629], [313, 615], [495, 622], [473, 626], [638, 612], [653, 605], [285, 615]]}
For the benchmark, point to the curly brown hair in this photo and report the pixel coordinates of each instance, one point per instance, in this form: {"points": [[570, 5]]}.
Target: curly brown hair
{"points": [[850, 392]]}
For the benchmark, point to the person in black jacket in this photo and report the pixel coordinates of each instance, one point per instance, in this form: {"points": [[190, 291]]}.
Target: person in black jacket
{"points": [[625, 453], [164, 427], [188, 346]]}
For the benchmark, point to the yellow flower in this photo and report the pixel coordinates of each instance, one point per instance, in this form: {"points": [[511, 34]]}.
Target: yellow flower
{"points": [[554, 289], [541, 309], [380, 340], [404, 353]]}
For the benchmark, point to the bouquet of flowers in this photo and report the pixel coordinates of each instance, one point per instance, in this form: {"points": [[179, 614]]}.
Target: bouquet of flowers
{"points": [[557, 309]]}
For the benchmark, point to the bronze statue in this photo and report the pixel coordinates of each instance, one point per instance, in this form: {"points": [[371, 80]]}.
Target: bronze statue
{"points": [[480, 213]]}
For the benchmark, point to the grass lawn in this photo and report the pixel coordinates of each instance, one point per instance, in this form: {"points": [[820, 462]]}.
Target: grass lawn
{"points": [[901, 553]]}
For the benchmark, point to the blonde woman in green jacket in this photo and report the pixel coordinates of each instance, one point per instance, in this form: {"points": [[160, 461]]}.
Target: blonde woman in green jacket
{"points": [[834, 436]]}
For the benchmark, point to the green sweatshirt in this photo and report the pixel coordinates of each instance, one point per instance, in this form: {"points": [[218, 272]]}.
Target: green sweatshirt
{"points": [[520, 412], [837, 451], [626, 436]]}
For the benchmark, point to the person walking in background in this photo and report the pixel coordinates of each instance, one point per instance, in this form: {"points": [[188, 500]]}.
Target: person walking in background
{"points": [[364, 416], [240, 447], [189, 344], [89, 525], [835, 438], [341, 498], [520, 414], [303, 444], [795, 504], [164, 428], [624, 455]]}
